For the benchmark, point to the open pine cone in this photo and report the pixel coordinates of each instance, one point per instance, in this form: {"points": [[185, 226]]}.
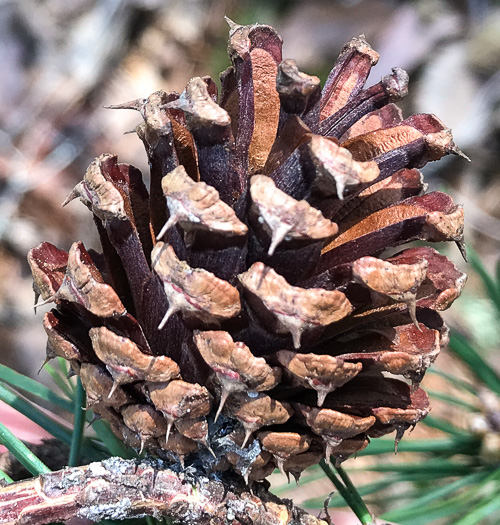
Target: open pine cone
{"points": [[246, 310]]}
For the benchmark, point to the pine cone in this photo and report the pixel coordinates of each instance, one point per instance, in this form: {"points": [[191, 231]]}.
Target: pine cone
{"points": [[269, 326]]}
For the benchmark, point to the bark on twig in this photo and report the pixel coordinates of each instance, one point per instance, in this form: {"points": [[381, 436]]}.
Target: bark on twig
{"points": [[118, 489]]}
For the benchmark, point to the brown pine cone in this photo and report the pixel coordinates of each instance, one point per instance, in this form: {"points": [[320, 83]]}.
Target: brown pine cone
{"points": [[254, 319]]}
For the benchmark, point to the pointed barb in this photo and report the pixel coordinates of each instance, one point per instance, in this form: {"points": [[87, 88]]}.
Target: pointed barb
{"points": [[233, 26], [274, 244], [223, 398], [340, 188], [248, 433], [51, 299], [171, 222], [136, 105], [48, 357], [328, 453], [463, 251], [412, 311], [154, 261], [280, 464], [169, 428], [278, 236], [209, 448], [71, 197], [95, 417], [322, 396], [457, 151], [171, 310], [296, 335], [399, 435], [113, 388]]}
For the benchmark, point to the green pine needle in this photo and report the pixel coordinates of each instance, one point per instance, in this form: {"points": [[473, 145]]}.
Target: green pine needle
{"points": [[22, 452], [65, 370], [435, 466], [112, 443], [349, 492], [455, 381], [491, 286], [78, 423], [459, 503], [26, 384], [443, 425], [481, 511], [36, 415], [475, 362], [445, 398], [434, 494], [60, 380], [463, 444], [360, 508], [5, 477]]}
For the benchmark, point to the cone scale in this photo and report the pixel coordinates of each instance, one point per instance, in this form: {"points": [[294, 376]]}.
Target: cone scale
{"points": [[243, 310]]}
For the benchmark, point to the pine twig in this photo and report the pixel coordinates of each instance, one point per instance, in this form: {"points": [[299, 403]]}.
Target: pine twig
{"points": [[119, 489]]}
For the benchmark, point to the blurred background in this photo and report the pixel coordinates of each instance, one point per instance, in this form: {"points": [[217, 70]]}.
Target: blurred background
{"points": [[61, 62]]}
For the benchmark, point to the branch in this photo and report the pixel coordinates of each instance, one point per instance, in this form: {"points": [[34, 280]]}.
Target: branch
{"points": [[118, 489]]}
